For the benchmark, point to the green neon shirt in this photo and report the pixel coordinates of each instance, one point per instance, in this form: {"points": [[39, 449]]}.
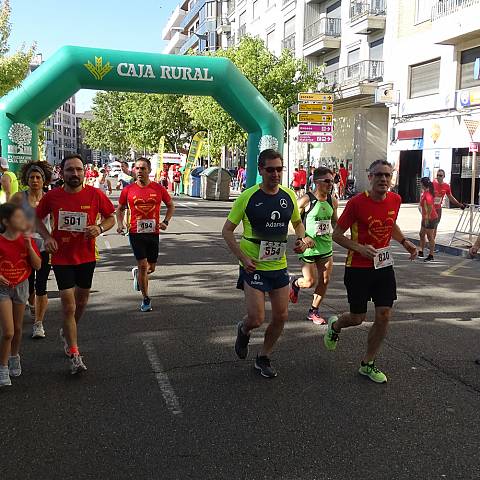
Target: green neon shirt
{"points": [[264, 217]]}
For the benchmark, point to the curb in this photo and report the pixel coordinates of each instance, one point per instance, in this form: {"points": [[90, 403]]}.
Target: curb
{"points": [[455, 251]]}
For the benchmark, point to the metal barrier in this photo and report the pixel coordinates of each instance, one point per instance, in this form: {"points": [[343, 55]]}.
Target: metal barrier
{"points": [[469, 224]]}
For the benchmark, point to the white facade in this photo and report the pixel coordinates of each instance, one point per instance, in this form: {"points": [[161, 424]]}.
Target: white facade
{"points": [[433, 50]]}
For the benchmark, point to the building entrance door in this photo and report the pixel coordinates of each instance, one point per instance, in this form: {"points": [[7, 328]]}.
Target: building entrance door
{"points": [[409, 175]]}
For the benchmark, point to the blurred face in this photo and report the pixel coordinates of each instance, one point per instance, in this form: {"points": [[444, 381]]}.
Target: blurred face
{"points": [[440, 176], [18, 221], [142, 170], [272, 172], [124, 168], [324, 183], [35, 181], [73, 172], [380, 179]]}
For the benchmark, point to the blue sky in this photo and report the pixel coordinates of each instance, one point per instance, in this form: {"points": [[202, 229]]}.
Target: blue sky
{"points": [[116, 24]]}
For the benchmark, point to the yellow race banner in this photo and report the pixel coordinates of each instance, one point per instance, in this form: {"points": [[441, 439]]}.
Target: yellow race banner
{"points": [[192, 157]]}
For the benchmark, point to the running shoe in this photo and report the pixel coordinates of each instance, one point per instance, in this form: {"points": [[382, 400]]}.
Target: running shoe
{"points": [[14, 366], [429, 258], [32, 312], [372, 372], [38, 330], [263, 365], [146, 305], [136, 285], [66, 348], [315, 317], [76, 364], [330, 339], [420, 254], [5, 380], [294, 289], [241, 344]]}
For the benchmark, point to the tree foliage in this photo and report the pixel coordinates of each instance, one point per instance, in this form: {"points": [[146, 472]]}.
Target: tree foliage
{"points": [[279, 80], [13, 67]]}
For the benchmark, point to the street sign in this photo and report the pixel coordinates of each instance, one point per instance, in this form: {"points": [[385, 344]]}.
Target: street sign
{"points": [[315, 107], [315, 97], [307, 128], [314, 118], [315, 138], [474, 147]]}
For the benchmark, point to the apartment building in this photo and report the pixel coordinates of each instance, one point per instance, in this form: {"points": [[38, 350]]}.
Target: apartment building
{"points": [[60, 128], [194, 25], [433, 54], [97, 157]]}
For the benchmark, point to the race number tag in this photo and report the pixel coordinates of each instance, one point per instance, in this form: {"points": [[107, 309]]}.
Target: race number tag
{"points": [[438, 200], [146, 226], [72, 221], [270, 251], [323, 227], [384, 258]]}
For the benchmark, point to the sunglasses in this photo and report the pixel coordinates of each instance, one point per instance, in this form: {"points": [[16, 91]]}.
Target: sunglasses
{"points": [[274, 169], [441, 176], [381, 174], [328, 181]]}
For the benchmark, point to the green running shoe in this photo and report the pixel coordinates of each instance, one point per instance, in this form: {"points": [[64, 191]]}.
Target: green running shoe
{"points": [[371, 371], [330, 339]]}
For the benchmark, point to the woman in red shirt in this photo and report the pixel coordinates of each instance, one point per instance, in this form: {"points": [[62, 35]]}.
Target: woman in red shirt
{"points": [[429, 217], [18, 255]]}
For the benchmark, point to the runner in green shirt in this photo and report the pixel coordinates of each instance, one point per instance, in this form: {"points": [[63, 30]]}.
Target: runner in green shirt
{"points": [[9, 180], [320, 217], [265, 211]]}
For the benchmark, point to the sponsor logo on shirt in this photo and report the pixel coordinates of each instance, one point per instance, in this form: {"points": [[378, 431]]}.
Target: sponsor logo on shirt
{"points": [[283, 203]]}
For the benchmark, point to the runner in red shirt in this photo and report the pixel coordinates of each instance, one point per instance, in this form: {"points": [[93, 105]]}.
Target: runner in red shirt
{"points": [[430, 217], [75, 210], [18, 255], [144, 199], [303, 180], [343, 172], [371, 216], [296, 181]]}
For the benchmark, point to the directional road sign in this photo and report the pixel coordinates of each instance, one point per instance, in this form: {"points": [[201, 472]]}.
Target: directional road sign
{"points": [[315, 97], [307, 128], [315, 107], [315, 138], [314, 118]]}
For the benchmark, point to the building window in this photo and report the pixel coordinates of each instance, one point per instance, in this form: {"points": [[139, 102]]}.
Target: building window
{"points": [[270, 39], [289, 28], [353, 56], [470, 68], [376, 50], [256, 9], [424, 78], [423, 10]]}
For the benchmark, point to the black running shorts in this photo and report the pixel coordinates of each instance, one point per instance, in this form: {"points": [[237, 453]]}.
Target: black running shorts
{"points": [[365, 284], [37, 282], [263, 280], [70, 276], [145, 246]]}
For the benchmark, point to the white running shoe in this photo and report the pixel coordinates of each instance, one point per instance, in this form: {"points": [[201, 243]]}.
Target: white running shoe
{"points": [[14, 366], [76, 364], [38, 330], [136, 285], [5, 380], [66, 348]]}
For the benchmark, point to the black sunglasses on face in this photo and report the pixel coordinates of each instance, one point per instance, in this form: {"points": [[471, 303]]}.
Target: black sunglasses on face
{"points": [[381, 174], [274, 169]]}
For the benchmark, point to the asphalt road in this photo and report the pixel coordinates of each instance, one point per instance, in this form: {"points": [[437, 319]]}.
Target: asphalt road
{"points": [[166, 398]]}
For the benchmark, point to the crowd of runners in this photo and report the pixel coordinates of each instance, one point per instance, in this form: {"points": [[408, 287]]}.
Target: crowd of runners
{"points": [[56, 229]]}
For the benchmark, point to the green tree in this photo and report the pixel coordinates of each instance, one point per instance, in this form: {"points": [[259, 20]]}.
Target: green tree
{"points": [[279, 79], [13, 67]]}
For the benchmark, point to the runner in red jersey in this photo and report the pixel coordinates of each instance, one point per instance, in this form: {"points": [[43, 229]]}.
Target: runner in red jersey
{"points": [[144, 199], [430, 217], [371, 216], [75, 210]]}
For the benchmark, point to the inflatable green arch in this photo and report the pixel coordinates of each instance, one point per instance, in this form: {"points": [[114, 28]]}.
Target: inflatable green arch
{"points": [[73, 68]]}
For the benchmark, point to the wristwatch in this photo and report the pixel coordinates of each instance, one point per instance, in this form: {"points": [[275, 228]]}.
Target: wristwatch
{"points": [[101, 228], [165, 222]]}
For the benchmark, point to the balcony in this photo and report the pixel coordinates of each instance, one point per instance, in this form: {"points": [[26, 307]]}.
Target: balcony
{"points": [[322, 36], [288, 2], [192, 14], [358, 79], [224, 26], [173, 46], [191, 42], [289, 43], [455, 21], [174, 21], [367, 16], [242, 31], [230, 7]]}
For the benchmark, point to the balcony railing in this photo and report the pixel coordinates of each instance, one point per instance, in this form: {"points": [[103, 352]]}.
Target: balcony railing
{"points": [[366, 71], [289, 42], [359, 8], [230, 7], [242, 31], [447, 7], [191, 14], [325, 27], [286, 2]]}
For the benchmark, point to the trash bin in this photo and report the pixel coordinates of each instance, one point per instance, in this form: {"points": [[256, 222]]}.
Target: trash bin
{"points": [[215, 184], [194, 186]]}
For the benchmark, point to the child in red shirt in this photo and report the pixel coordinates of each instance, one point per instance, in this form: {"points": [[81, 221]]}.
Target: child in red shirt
{"points": [[18, 255]]}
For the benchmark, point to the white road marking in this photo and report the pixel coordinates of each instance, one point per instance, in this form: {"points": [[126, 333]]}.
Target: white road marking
{"points": [[162, 379], [191, 223], [455, 267], [187, 205]]}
